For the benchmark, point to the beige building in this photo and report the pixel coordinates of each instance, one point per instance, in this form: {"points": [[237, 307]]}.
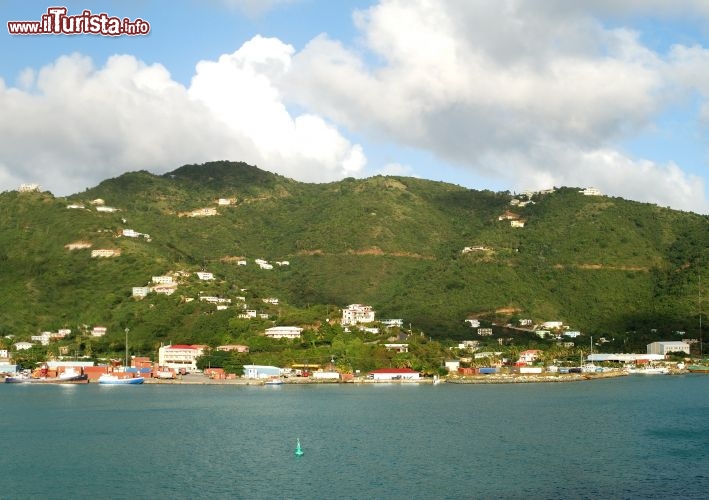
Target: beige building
{"points": [[180, 356]]}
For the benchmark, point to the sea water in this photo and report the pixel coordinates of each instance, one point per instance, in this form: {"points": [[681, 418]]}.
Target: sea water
{"points": [[630, 437]]}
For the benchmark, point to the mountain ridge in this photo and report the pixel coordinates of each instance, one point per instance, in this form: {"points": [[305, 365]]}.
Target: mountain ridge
{"points": [[605, 265]]}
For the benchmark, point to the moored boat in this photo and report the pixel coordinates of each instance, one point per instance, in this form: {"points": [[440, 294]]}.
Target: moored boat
{"points": [[24, 379], [274, 381], [648, 370], [111, 379], [698, 368]]}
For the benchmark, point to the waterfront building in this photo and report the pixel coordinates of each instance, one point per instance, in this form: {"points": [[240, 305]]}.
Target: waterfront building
{"points": [[624, 357], [667, 347], [180, 356], [261, 371]]}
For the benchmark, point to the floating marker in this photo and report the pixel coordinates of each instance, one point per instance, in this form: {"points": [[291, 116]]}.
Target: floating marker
{"points": [[298, 450]]}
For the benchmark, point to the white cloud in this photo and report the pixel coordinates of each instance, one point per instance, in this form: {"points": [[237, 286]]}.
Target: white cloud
{"points": [[73, 125], [518, 89], [397, 169]]}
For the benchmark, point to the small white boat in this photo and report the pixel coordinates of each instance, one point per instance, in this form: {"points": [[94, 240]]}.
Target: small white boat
{"points": [[648, 370], [274, 381], [110, 379]]}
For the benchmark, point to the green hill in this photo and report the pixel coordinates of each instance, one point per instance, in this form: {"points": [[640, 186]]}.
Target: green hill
{"points": [[606, 266]]}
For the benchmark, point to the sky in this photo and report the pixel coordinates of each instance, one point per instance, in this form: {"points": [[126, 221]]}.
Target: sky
{"points": [[506, 95]]}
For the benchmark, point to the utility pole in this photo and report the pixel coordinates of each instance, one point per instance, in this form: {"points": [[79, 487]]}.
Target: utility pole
{"points": [[126, 365]]}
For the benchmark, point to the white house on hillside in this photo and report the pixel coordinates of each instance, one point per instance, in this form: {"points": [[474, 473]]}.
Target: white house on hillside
{"points": [[283, 332], [357, 313]]}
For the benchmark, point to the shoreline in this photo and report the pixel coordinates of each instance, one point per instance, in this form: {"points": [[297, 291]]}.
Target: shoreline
{"points": [[198, 379]]}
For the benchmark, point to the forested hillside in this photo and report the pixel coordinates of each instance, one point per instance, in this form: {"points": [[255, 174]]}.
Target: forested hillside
{"points": [[606, 266]]}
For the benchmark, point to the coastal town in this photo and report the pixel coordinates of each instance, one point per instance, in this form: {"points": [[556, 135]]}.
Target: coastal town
{"points": [[180, 363]]}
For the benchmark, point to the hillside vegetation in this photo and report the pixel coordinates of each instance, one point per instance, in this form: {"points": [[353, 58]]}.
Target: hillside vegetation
{"points": [[606, 266]]}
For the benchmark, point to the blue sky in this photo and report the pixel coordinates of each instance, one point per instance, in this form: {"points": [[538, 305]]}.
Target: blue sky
{"points": [[524, 94]]}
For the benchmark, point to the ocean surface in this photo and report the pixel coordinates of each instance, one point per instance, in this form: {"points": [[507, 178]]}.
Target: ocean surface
{"points": [[630, 437]]}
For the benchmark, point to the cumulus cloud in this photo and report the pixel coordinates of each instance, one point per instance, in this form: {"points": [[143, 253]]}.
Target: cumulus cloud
{"points": [[72, 124], [523, 90]]}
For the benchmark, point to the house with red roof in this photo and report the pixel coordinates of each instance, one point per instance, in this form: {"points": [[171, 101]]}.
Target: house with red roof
{"points": [[394, 374], [528, 357]]}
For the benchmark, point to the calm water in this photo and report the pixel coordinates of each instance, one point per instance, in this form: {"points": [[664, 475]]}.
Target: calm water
{"points": [[634, 437]]}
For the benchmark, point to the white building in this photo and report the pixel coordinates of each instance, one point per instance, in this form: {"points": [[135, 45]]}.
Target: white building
{"points": [[205, 276], [592, 191], [98, 331], [528, 356], [452, 365], [552, 325], [101, 208], [141, 291], [624, 357], [261, 371], [397, 347], [284, 332], [164, 280], [474, 323], [131, 233], [23, 346], [391, 323], [42, 338], [28, 188], [357, 313], [214, 300], [105, 252], [180, 356], [667, 347]]}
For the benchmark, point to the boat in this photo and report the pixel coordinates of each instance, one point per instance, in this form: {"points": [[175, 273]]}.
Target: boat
{"points": [[298, 450], [70, 376], [702, 367], [274, 381], [648, 370], [111, 379], [24, 379]]}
